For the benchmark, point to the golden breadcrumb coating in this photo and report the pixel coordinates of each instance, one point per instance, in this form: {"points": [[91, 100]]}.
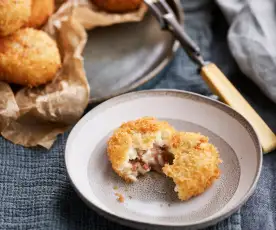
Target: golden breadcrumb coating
{"points": [[28, 57], [195, 166], [13, 15], [139, 134], [118, 6], [41, 10]]}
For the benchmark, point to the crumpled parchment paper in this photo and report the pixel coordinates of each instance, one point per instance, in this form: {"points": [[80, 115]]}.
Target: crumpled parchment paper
{"points": [[35, 116]]}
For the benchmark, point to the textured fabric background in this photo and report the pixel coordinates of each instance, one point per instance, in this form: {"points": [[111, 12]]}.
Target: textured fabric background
{"points": [[35, 192], [252, 38]]}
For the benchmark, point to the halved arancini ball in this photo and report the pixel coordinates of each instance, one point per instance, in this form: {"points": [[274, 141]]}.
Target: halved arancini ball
{"points": [[195, 166], [188, 158], [137, 146]]}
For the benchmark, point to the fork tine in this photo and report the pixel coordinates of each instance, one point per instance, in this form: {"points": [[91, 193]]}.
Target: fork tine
{"points": [[166, 6], [156, 11], [168, 21]]}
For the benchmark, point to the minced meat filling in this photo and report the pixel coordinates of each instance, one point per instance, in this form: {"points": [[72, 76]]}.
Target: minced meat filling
{"points": [[154, 158]]}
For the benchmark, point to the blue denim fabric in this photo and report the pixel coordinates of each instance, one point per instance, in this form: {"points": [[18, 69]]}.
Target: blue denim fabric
{"points": [[34, 189]]}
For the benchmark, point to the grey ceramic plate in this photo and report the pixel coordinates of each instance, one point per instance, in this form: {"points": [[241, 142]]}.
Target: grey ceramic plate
{"points": [[151, 203], [119, 58]]}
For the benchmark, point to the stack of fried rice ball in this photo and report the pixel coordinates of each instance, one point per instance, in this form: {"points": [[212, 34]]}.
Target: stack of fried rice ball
{"points": [[28, 56]]}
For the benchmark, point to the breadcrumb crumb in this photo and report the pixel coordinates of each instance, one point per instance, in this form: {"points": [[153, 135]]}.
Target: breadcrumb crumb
{"points": [[120, 197]]}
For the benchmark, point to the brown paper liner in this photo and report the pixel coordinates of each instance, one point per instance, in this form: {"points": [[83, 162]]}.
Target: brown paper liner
{"points": [[36, 116]]}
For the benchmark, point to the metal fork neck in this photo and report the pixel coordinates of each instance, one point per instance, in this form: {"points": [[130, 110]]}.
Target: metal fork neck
{"points": [[187, 43]]}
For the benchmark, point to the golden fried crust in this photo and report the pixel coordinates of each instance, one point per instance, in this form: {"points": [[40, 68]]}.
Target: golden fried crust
{"points": [[118, 6], [28, 57], [118, 145], [195, 165], [41, 10], [13, 15], [139, 134], [143, 125]]}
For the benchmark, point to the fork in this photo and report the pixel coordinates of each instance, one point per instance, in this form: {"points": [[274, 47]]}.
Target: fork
{"points": [[213, 76]]}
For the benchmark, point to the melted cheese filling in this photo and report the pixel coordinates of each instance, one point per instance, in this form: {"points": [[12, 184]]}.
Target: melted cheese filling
{"points": [[147, 152], [142, 161]]}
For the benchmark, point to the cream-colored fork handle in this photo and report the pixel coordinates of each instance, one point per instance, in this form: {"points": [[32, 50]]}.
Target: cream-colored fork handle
{"points": [[222, 87]]}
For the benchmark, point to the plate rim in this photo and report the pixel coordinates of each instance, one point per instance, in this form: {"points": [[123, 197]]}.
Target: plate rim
{"points": [[154, 72], [184, 94]]}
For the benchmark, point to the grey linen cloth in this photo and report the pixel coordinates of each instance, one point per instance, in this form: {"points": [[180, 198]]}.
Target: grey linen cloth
{"points": [[252, 39], [35, 192]]}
